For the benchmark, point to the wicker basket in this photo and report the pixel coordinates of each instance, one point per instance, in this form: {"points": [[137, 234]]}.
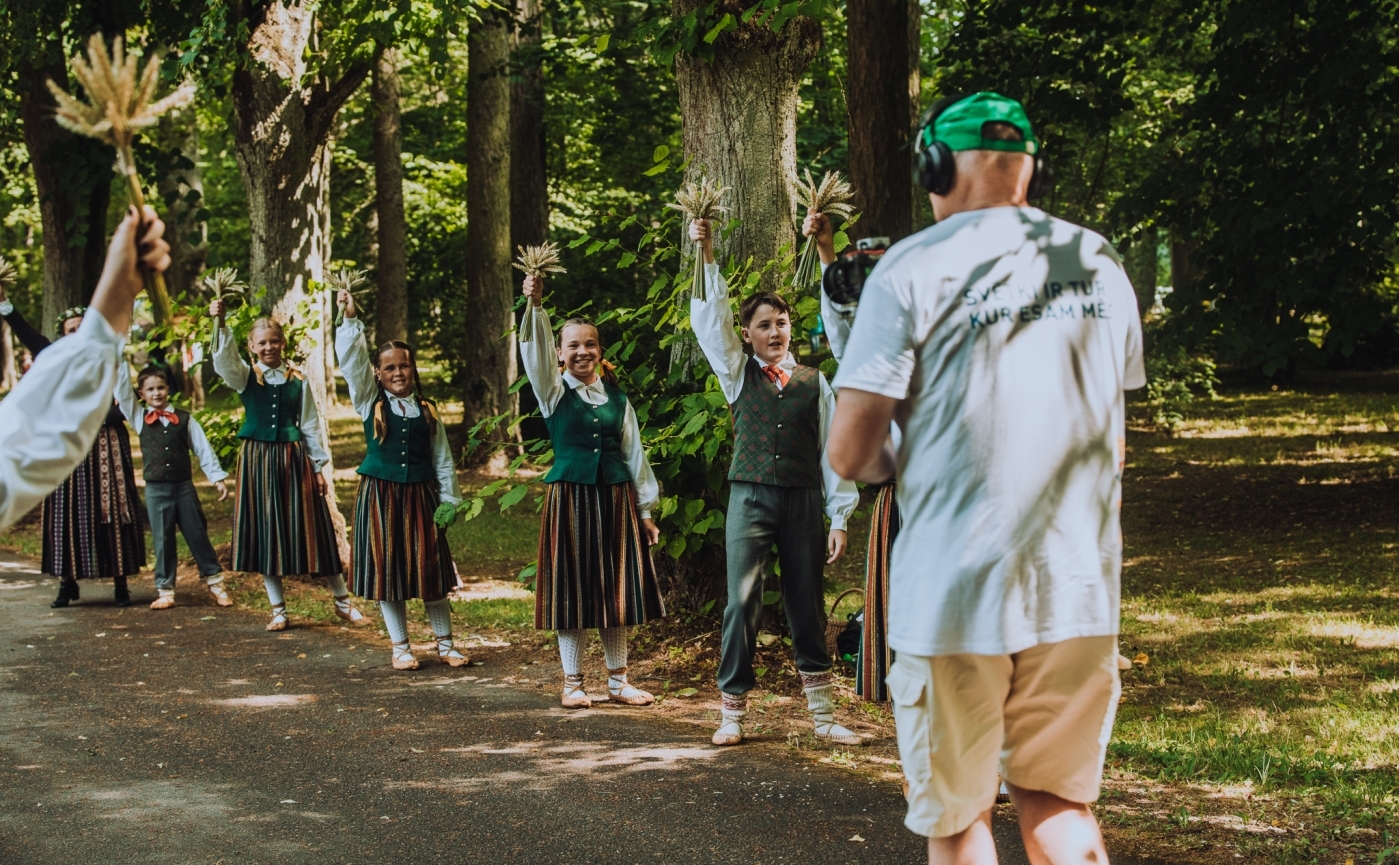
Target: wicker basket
{"points": [[833, 625]]}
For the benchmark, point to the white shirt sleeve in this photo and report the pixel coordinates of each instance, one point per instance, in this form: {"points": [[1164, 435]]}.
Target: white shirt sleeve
{"points": [[447, 487], [208, 460], [648, 491], [311, 428], [541, 361], [353, 351], [1134, 368], [126, 398], [51, 418], [841, 495], [838, 319], [880, 355], [228, 363], [712, 320]]}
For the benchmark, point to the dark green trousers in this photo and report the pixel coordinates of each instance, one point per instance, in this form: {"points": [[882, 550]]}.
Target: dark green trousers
{"points": [[759, 516]]}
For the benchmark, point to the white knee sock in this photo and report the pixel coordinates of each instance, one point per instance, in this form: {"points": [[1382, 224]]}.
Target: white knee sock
{"points": [[440, 614], [614, 646], [273, 585], [337, 585], [395, 619], [571, 651]]}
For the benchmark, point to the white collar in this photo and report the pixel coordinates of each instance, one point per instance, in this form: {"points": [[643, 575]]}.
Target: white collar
{"points": [[788, 362], [265, 369], [574, 383]]}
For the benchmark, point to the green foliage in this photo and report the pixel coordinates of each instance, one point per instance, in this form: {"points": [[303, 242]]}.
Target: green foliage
{"points": [[221, 428], [1174, 376]]}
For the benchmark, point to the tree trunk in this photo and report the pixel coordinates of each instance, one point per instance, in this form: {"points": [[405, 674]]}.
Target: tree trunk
{"points": [[920, 209], [489, 342], [181, 189], [1141, 268], [882, 97], [9, 371], [73, 177], [529, 187], [282, 124], [391, 270], [740, 128]]}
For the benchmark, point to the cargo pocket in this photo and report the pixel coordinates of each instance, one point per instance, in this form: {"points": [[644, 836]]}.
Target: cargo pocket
{"points": [[908, 689]]}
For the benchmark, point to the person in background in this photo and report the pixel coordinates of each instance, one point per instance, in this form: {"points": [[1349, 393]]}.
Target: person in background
{"points": [[168, 435], [1002, 339], [49, 421]]}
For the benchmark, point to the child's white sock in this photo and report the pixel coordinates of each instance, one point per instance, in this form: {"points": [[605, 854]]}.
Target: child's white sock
{"points": [[439, 613], [571, 651], [395, 620], [337, 586], [614, 646], [273, 585]]}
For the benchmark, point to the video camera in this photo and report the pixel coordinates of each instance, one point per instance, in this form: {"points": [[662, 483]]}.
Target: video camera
{"points": [[844, 280]]}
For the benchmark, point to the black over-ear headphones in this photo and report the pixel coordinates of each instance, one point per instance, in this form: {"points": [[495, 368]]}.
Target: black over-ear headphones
{"points": [[934, 167]]}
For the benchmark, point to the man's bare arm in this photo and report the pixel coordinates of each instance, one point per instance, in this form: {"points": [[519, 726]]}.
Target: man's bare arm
{"points": [[859, 448]]}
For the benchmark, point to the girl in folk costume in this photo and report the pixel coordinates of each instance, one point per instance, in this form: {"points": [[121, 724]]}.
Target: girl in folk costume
{"points": [[92, 523], [595, 568], [400, 553], [281, 521], [875, 655]]}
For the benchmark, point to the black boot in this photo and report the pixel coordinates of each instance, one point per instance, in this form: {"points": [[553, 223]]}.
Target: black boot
{"points": [[67, 593], [120, 596]]}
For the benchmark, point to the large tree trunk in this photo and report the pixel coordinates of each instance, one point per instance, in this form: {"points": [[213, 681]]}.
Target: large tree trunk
{"points": [[740, 128], [282, 127], [882, 95], [391, 270], [181, 189], [529, 187], [1141, 268], [73, 177], [489, 342]]}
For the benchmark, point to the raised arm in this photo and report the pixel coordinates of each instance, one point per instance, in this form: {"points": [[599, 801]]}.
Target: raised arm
{"points": [[28, 336], [712, 320], [126, 398], [228, 363], [353, 351], [841, 495], [540, 357]]}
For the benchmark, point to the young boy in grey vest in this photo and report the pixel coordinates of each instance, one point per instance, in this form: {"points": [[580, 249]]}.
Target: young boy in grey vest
{"points": [[778, 484], [168, 435]]}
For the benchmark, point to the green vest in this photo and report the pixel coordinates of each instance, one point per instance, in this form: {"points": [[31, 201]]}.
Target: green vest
{"points": [[588, 439], [777, 433], [165, 450], [405, 454], [272, 411]]}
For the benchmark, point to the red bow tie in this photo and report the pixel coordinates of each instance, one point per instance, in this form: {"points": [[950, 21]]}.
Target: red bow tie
{"points": [[155, 414], [777, 375]]}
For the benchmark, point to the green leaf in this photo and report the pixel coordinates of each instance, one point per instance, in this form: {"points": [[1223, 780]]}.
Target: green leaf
{"points": [[602, 42], [842, 240], [579, 241], [661, 152], [656, 169], [594, 247], [676, 547], [695, 423], [445, 515], [687, 692], [528, 571], [709, 605], [760, 672], [770, 598], [718, 28], [513, 497], [626, 259]]}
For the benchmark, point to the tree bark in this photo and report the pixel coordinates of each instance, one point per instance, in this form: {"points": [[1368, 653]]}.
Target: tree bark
{"points": [[882, 98], [489, 341], [73, 177], [282, 125], [181, 190], [740, 127], [529, 186], [1141, 268], [391, 270]]}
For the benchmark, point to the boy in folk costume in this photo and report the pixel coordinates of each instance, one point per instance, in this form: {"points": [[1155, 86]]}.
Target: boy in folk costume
{"points": [[281, 522], [400, 553], [595, 568], [779, 477], [875, 654], [92, 523], [167, 436]]}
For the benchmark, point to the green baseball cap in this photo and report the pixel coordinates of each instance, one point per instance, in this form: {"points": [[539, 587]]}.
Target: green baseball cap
{"points": [[960, 124]]}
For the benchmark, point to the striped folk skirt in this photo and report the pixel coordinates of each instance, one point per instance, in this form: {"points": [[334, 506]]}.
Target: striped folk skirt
{"points": [[400, 553], [281, 524], [875, 655], [92, 524], [595, 568]]}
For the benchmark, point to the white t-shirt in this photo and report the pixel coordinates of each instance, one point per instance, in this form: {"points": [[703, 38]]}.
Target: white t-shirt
{"points": [[1008, 336]]}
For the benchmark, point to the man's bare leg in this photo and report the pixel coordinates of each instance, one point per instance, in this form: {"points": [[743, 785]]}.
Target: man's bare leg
{"points": [[1057, 831], [972, 846]]}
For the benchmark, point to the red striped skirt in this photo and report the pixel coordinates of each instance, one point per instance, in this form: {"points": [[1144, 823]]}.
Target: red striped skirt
{"points": [[400, 553], [875, 655], [281, 523], [595, 568]]}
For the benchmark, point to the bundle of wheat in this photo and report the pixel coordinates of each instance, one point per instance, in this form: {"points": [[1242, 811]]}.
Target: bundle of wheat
{"points": [[536, 261], [343, 280], [831, 197], [700, 201], [120, 107], [8, 274]]}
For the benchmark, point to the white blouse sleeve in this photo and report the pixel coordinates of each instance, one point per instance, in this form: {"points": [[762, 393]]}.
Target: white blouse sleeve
{"points": [[51, 418], [355, 365], [311, 428], [447, 486], [126, 398], [712, 320], [841, 495], [228, 363], [541, 361], [648, 491], [208, 460]]}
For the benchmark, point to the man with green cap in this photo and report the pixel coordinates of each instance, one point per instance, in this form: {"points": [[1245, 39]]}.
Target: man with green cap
{"points": [[1000, 340]]}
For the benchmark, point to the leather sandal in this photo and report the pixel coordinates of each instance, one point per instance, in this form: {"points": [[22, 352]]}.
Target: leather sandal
{"points": [[574, 697], [220, 593], [403, 657], [620, 690], [448, 653], [279, 618], [165, 601], [350, 613]]}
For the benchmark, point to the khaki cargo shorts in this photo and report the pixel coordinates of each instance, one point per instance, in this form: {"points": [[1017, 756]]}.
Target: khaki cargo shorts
{"points": [[1042, 717]]}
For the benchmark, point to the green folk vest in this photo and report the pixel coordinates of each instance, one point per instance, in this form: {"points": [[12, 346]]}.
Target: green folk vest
{"points": [[272, 412], [165, 451], [588, 439], [405, 455], [777, 433]]}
